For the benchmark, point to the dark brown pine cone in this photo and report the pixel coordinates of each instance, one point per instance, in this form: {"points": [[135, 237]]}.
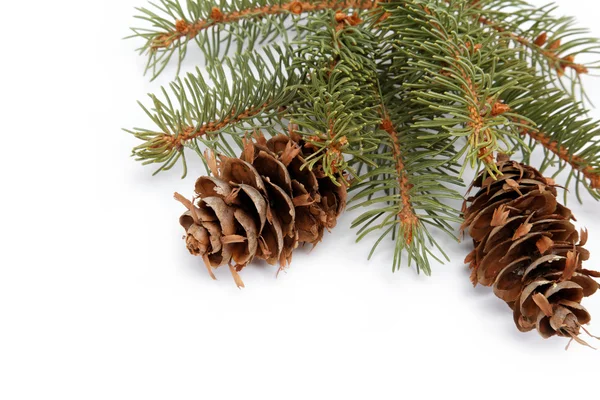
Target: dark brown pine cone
{"points": [[528, 249], [260, 205]]}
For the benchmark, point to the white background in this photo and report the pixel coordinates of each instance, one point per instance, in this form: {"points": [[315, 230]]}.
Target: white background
{"points": [[100, 300]]}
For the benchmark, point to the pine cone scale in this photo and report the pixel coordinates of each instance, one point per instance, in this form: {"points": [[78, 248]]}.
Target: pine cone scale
{"points": [[282, 205]]}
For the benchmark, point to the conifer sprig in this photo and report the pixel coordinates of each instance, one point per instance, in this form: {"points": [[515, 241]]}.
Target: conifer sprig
{"points": [[342, 114], [457, 74], [336, 109], [471, 85], [549, 43], [569, 138], [240, 96], [405, 193], [216, 26]]}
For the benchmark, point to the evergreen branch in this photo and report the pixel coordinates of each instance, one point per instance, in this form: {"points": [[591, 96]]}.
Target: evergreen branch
{"points": [[549, 52], [167, 142], [188, 30], [506, 99], [405, 190], [455, 75], [174, 29], [202, 113], [480, 130], [550, 43], [404, 177], [335, 112], [561, 127], [576, 162], [342, 112], [467, 78], [407, 217]]}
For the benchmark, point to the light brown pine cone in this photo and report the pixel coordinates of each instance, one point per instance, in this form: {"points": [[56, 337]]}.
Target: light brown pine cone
{"points": [[260, 205], [528, 249]]}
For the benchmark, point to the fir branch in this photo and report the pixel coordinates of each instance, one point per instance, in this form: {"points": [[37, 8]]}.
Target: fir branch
{"points": [[342, 111], [160, 145], [500, 98], [402, 180], [404, 191], [578, 163], [335, 112], [247, 21], [548, 42], [188, 30], [550, 52], [204, 113], [455, 73], [562, 128]]}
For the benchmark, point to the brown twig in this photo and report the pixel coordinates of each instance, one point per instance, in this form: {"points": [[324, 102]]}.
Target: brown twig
{"points": [[480, 133], [576, 162], [477, 122], [407, 216], [190, 132], [559, 63], [188, 30]]}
